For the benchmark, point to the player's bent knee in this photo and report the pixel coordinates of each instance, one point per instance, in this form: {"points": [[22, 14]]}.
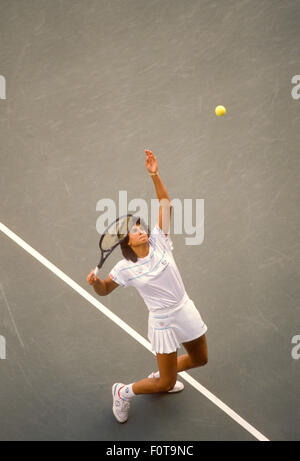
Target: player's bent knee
{"points": [[166, 386], [172, 385], [203, 361]]}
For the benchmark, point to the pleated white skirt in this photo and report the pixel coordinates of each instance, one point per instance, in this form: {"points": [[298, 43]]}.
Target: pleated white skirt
{"points": [[168, 328]]}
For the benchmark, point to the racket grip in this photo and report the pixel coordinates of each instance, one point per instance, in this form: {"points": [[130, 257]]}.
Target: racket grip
{"points": [[96, 271]]}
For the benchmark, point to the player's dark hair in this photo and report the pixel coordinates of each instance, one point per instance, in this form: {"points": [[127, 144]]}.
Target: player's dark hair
{"points": [[127, 252]]}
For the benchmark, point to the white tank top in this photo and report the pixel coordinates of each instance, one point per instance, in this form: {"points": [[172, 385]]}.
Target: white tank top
{"points": [[156, 277]]}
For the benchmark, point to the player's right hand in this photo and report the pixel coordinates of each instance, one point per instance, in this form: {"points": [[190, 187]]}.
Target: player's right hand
{"points": [[91, 279]]}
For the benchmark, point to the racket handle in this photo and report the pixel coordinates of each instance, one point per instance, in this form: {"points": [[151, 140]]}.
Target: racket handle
{"points": [[96, 271]]}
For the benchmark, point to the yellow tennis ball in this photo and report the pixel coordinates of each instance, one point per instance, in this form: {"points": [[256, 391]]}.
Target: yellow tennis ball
{"points": [[220, 110]]}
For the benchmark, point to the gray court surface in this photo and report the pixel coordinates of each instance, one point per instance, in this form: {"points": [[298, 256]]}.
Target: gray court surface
{"points": [[90, 85]]}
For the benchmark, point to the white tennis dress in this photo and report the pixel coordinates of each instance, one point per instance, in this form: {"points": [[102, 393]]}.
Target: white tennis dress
{"points": [[173, 317]]}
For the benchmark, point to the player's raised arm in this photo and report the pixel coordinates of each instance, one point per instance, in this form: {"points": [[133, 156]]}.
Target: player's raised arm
{"points": [[165, 208]]}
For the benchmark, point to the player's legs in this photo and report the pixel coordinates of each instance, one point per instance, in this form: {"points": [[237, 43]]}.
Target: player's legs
{"points": [[167, 365], [196, 356]]}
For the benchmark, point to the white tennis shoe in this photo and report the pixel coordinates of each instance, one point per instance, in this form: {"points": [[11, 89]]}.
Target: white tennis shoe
{"points": [[120, 406], [179, 386]]}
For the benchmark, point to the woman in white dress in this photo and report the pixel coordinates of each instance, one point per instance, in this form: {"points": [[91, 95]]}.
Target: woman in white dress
{"points": [[149, 266]]}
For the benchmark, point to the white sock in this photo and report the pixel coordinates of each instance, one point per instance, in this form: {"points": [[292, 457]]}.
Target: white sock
{"points": [[156, 375], [126, 392]]}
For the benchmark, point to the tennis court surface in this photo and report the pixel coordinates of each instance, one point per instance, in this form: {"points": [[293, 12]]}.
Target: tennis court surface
{"points": [[89, 86]]}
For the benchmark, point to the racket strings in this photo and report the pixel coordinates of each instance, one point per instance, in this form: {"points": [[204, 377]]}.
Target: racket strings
{"points": [[116, 232]]}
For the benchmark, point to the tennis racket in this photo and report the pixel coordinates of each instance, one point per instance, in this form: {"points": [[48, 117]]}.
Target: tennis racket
{"points": [[113, 236]]}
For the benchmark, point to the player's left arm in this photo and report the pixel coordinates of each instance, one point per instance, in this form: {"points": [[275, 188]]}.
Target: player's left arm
{"points": [[165, 208]]}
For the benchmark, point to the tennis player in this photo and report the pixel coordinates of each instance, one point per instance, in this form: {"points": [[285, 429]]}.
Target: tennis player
{"points": [[149, 266]]}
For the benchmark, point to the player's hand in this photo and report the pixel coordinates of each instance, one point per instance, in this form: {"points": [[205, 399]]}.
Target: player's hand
{"points": [[151, 163], [91, 279]]}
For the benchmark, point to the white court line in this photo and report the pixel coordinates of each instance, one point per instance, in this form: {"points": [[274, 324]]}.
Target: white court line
{"points": [[134, 334]]}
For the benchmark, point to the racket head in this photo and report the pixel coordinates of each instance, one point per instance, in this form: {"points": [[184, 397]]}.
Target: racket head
{"points": [[116, 232]]}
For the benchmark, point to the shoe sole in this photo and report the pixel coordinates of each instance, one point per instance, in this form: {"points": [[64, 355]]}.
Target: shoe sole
{"points": [[174, 391], [113, 408]]}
